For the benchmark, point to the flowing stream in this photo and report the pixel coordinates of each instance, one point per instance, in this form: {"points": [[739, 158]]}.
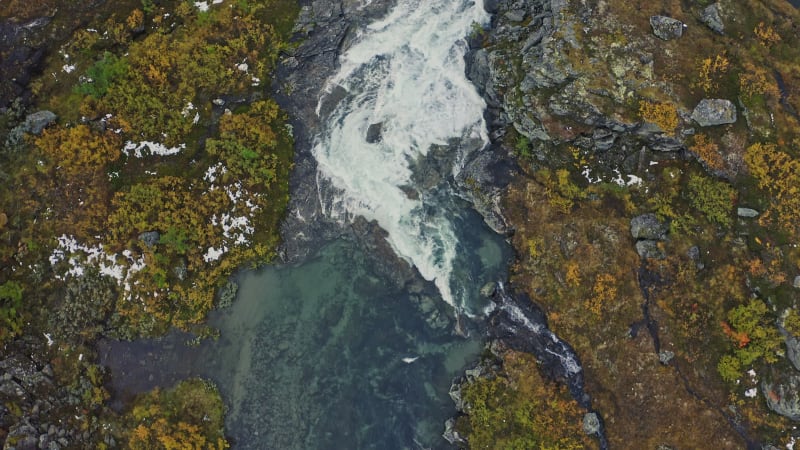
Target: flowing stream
{"points": [[405, 76], [334, 352]]}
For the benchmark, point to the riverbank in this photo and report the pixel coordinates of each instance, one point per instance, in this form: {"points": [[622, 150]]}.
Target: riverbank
{"points": [[603, 138]]}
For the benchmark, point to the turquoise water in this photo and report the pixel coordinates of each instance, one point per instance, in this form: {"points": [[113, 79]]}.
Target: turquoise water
{"points": [[312, 356]]}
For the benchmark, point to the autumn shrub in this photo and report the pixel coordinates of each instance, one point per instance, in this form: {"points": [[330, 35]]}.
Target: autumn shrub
{"points": [[754, 336], [188, 416], [778, 175], [665, 115], [708, 151], [518, 408], [715, 199]]}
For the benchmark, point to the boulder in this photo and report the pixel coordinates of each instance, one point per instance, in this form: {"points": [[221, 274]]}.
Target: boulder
{"points": [[796, 282], [647, 226], [793, 350], [34, 124], [649, 249], [666, 28], [746, 212], [150, 238], [714, 111], [712, 18], [591, 423], [783, 395]]}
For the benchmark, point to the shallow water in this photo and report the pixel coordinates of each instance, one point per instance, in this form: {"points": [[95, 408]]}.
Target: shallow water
{"points": [[312, 356]]}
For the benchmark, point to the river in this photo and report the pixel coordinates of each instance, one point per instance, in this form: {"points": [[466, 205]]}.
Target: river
{"points": [[333, 352]]}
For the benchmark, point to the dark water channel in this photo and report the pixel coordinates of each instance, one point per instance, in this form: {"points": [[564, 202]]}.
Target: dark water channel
{"points": [[328, 354]]}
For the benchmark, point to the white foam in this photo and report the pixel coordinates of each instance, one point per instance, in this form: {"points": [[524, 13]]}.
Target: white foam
{"points": [[407, 72]]}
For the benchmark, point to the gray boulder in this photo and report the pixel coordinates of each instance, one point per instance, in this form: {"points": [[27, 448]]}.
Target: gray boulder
{"points": [[150, 238], [591, 423], [796, 282], [793, 350], [666, 28], [649, 249], [783, 395], [746, 212], [33, 124], [647, 226], [712, 18], [714, 111]]}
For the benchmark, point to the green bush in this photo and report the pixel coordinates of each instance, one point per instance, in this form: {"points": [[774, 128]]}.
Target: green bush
{"points": [[712, 198]]}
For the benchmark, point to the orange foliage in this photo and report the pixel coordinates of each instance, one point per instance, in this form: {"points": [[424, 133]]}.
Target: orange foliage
{"points": [[708, 151], [766, 34], [740, 338]]}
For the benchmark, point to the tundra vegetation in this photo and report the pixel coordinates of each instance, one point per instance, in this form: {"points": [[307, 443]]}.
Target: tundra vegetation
{"points": [[683, 338], [166, 170]]}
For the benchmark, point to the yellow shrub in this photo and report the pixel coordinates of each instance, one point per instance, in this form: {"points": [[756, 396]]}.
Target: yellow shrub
{"points": [[665, 115]]}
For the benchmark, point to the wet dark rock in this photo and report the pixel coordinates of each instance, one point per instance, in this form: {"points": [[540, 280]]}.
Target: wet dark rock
{"points": [[711, 112], [603, 138], [666, 28], [783, 395], [712, 18], [647, 226], [451, 435], [374, 133]]}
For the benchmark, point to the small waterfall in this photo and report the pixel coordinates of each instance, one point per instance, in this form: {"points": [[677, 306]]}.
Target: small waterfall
{"points": [[404, 76]]}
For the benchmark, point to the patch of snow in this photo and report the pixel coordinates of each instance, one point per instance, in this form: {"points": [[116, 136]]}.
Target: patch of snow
{"points": [[752, 373], [790, 445], [255, 81], [751, 393], [214, 171], [145, 148], [243, 67], [78, 256], [212, 254], [201, 6], [49, 339], [196, 118], [68, 68], [409, 360], [187, 110]]}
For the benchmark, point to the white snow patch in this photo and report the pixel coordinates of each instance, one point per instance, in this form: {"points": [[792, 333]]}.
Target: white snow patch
{"points": [[78, 256], [214, 171], [202, 6], [242, 67], [213, 254], [49, 339], [752, 373], [751, 393], [409, 360], [68, 68], [145, 148], [790, 445]]}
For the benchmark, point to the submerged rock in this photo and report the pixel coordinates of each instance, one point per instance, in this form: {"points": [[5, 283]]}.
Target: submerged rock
{"points": [[714, 111], [666, 28]]}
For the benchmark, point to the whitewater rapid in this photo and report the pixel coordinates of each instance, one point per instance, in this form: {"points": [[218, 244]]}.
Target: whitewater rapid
{"points": [[406, 72]]}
